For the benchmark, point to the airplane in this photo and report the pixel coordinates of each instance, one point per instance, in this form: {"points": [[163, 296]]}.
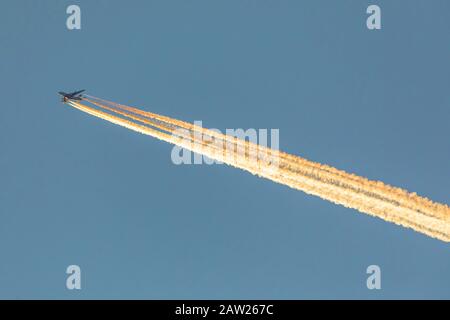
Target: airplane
{"points": [[71, 96]]}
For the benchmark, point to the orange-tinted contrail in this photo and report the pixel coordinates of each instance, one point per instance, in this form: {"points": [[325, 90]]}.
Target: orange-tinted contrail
{"points": [[371, 197]]}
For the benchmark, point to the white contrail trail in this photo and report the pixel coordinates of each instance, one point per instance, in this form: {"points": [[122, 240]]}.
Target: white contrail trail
{"points": [[331, 173], [372, 197]]}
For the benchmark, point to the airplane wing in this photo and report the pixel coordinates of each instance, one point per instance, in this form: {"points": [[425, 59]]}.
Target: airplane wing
{"points": [[77, 92]]}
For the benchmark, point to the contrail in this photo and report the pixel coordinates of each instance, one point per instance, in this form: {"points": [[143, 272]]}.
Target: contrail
{"points": [[371, 197]]}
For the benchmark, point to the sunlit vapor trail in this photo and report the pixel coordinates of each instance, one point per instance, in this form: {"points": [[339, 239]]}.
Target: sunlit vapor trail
{"points": [[372, 197], [378, 188]]}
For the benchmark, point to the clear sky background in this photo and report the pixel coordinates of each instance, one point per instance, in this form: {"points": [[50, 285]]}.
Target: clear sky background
{"points": [[75, 189]]}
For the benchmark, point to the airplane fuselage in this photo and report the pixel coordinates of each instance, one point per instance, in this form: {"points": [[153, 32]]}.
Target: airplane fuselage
{"points": [[71, 96]]}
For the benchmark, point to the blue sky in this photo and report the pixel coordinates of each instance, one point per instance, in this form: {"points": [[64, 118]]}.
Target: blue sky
{"points": [[78, 190]]}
